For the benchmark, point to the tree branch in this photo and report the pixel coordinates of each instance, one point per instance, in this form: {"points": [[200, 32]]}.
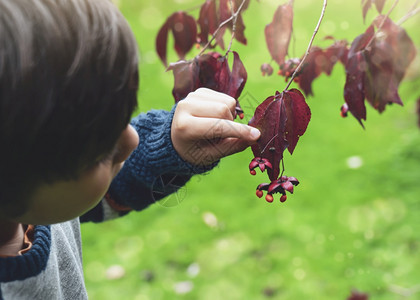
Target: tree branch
{"points": [[309, 46], [413, 11], [234, 17]]}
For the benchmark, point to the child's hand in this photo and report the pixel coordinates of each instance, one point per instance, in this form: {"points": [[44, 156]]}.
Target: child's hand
{"points": [[203, 130]]}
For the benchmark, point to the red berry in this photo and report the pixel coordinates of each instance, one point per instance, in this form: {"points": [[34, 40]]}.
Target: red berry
{"points": [[253, 172], [269, 198], [241, 116], [259, 193], [283, 198]]}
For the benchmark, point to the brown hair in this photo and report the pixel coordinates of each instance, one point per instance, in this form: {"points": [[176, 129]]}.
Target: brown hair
{"points": [[68, 85]]}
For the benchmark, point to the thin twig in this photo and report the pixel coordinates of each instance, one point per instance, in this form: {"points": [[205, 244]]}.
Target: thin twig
{"points": [[309, 46], [412, 12], [235, 15], [382, 23], [233, 26]]}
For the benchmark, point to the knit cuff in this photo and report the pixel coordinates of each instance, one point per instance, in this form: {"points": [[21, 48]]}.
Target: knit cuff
{"points": [[155, 154], [152, 162]]}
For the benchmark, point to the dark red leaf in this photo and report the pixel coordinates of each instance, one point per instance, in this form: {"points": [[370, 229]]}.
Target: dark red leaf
{"points": [[311, 69], [184, 30], [238, 77], [208, 20], [356, 295], [361, 41], [161, 41], [354, 88], [185, 77], [225, 11], [336, 52], [270, 118], [298, 116], [278, 33], [318, 61], [366, 4], [282, 119], [210, 70], [379, 5], [214, 72], [388, 58]]}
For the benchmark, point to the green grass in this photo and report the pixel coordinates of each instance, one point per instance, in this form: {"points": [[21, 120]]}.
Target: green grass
{"points": [[342, 229]]}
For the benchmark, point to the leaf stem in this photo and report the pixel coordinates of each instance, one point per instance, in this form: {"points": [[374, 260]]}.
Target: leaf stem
{"points": [[269, 143], [234, 16], [382, 23], [282, 165], [309, 46]]}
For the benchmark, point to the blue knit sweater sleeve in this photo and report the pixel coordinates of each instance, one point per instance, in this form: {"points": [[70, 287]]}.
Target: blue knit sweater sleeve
{"points": [[154, 170]]}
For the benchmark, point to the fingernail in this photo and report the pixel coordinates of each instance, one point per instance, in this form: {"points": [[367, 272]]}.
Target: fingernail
{"points": [[255, 133]]}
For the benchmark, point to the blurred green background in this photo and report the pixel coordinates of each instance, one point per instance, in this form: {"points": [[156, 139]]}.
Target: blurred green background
{"points": [[352, 223]]}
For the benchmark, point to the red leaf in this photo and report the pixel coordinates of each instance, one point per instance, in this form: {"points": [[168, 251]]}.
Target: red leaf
{"points": [[366, 4], [317, 61], [214, 72], [356, 295], [336, 52], [298, 116], [379, 5], [388, 58], [226, 12], [270, 118], [361, 41], [354, 90], [185, 77], [184, 30], [238, 77], [282, 119], [208, 20], [210, 70], [311, 69], [354, 87], [278, 33]]}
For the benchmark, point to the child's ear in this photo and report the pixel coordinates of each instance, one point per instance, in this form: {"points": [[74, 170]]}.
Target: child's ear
{"points": [[127, 142]]}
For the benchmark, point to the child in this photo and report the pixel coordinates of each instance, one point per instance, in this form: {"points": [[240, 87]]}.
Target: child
{"points": [[68, 85]]}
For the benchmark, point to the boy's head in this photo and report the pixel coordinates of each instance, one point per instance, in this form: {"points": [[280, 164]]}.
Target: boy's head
{"points": [[68, 83]]}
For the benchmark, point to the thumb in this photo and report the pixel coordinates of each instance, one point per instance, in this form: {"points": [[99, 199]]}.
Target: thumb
{"points": [[230, 129], [225, 147]]}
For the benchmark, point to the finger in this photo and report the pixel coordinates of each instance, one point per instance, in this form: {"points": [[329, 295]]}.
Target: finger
{"points": [[226, 147], [208, 128], [207, 109], [205, 94]]}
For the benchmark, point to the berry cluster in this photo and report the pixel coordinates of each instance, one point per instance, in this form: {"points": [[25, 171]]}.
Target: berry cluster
{"points": [[280, 185], [262, 163]]}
